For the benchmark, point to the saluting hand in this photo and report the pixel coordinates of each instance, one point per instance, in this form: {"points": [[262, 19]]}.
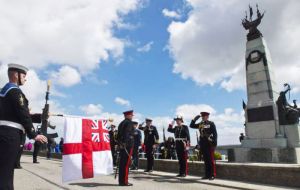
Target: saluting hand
{"points": [[41, 138], [197, 117], [173, 122]]}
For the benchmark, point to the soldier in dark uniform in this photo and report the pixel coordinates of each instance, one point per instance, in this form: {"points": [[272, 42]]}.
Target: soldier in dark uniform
{"points": [[18, 160], [112, 136], [182, 141], [171, 148], [15, 120], [36, 118], [151, 139], [137, 144], [125, 140], [208, 143], [36, 148]]}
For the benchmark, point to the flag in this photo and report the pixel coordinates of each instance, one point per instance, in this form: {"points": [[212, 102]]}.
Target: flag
{"points": [[86, 149]]}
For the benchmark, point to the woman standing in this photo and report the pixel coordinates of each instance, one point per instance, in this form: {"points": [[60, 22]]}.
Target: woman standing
{"points": [[182, 142]]}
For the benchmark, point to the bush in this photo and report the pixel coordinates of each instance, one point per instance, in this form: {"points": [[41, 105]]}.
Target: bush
{"points": [[218, 156]]}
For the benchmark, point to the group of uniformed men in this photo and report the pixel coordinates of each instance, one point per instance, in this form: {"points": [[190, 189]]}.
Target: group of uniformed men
{"points": [[16, 121], [126, 136]]}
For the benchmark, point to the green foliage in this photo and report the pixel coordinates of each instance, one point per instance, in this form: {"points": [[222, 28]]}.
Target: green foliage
{"points": [[193, 157], [218, 156]]}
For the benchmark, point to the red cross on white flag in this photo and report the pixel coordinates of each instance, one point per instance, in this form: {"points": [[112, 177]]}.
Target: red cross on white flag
{"points": [[86, 149]]}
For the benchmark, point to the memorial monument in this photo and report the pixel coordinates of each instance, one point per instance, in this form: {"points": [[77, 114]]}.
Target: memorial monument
{"points": [[272, 134]]}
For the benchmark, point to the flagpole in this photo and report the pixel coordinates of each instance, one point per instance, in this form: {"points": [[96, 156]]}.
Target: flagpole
{"points": [[76, 116]]}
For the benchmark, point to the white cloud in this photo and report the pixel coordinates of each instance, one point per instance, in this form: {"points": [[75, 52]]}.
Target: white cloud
{"points": [[170, 14], [122, 102], [209, 46], [66, 76], [75, 33], [188, 112], [92, 109], [146, 47], [3, 75]]}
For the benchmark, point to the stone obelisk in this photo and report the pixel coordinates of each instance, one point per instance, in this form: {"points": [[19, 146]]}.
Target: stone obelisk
{"points": [[262, 127]]}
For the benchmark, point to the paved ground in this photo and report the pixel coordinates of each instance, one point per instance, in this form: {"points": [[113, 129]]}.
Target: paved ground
{"points": [[47, 176]]}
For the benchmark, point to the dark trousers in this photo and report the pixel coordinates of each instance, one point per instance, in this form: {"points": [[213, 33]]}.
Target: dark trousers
{"points": [[48, 151], [135, 157], [20, 152], [18, 160], [36, 150], [182, 158], [150, 157], [209, 161], [171, 154], [125, 159], [113, 154], [10, 140]]}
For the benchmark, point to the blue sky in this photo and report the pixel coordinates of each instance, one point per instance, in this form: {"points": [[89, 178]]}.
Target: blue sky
{"points": [[161, 58]]}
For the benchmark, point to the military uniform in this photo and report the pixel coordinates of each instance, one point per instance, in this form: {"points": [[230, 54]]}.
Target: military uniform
{"points": [[113, 143], [15, 120], [182, 139], [171, 148], [125, 140], [36, 148], [151, 138], [208, 143], [137, 143], [18, 160]]}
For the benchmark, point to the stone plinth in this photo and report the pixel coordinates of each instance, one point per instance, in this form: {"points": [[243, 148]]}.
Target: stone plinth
{"points": [[267, 155], [292, 133]]}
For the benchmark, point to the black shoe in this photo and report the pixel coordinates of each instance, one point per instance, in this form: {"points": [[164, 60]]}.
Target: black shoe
{"points": [[181, 175], [128, 184], [146, 170], [35, 162], [18, 167], [150, 171], [212, 178], [204, 177]]}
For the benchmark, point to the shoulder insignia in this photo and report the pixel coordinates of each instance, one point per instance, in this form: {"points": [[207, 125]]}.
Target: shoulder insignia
{"points": [[21, 100]]}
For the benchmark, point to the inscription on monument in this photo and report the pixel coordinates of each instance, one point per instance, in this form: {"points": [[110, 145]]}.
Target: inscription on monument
{"points": [[260, 114]]}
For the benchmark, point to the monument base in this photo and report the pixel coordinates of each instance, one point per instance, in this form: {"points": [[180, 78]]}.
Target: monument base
{"points": [[292, 133], [265, 143], [265, 155]]}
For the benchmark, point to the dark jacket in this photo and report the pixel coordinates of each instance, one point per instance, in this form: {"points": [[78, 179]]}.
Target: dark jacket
{"points": [[14, 107], [180, 132], [137, 138], [208, 132], [125, 134], [151, 135]]}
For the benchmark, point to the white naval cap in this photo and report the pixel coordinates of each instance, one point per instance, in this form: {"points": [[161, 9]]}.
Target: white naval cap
{"points": [[17, 67]]}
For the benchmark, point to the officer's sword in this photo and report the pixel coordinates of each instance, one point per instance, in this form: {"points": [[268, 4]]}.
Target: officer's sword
{"points": [[129, 157], [118, 164]]}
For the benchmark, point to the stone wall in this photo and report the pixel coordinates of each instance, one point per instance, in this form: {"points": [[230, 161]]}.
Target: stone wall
{"points": [[273, 174]]}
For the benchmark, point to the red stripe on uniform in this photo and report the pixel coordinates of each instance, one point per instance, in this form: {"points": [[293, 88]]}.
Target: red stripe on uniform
{"points": [[186, 163], [127, 166], [213, 165]]}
